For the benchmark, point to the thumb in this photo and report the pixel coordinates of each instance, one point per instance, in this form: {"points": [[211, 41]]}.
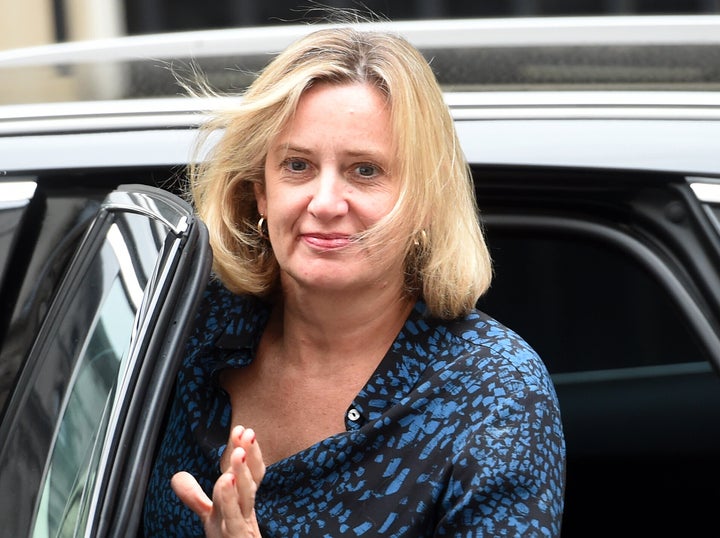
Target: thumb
{"points": [[189, 491]]}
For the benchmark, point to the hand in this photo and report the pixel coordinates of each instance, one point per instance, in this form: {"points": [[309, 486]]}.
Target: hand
{"points": [[231, 512]]}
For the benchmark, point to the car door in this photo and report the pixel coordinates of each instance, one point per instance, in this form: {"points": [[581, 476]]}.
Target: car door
{"points": [[78, 432]]}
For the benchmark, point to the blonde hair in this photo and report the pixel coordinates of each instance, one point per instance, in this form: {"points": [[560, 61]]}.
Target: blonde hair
{"points": [[436, 216]]}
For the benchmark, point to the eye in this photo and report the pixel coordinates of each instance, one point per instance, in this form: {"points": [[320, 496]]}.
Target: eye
{"points": [[296, 165], [367, 170]]}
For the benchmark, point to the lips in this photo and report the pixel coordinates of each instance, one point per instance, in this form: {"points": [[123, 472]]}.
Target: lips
{"points": [[326, 241]]}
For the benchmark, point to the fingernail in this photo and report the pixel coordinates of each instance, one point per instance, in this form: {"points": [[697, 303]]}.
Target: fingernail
{"points": [[253, 439]]}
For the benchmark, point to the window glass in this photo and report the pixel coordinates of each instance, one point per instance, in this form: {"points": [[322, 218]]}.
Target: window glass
{"points": [[108, 304], [12, 211], [584, 304]]}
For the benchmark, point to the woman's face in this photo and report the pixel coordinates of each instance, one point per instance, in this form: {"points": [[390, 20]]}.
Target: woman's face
{"points": [[327, 178]]}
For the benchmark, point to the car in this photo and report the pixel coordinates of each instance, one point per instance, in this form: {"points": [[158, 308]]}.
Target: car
{"points": [[593, 144]]}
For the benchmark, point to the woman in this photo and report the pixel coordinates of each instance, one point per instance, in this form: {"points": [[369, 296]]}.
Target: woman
{"points": [[339, 381]]}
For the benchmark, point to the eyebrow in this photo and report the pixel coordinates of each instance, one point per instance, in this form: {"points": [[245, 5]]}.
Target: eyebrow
{"points": [[296, 149], [369, 153]]}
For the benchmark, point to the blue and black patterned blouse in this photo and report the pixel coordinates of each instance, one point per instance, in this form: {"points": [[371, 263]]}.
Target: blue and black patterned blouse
{"points": [[457, 433]]}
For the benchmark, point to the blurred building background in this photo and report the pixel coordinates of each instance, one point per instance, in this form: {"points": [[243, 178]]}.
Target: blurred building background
{"points": [[37, 22]]}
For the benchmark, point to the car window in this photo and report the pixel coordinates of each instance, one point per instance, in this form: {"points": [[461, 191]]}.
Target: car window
{"points": [[584, 303], [15, 197], [72, 397], [100, 367]]}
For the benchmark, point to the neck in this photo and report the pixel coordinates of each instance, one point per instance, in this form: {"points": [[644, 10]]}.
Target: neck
{"points": [[317, 331]]}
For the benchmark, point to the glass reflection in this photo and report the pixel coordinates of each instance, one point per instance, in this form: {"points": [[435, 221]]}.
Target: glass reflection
{"points": [[99, 333]]}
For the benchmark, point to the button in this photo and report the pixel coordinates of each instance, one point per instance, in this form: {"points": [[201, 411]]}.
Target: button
{"points": [[353, 414]]}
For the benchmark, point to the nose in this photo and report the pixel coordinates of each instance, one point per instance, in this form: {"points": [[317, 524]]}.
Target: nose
{"points": [[328, 198]]}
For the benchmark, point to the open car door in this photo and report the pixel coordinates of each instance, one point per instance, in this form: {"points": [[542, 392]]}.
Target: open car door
{"points": [[79, 431]]}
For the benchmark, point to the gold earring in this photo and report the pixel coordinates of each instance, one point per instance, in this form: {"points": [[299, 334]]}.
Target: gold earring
{"points": [[421, 240], [262, 227]]}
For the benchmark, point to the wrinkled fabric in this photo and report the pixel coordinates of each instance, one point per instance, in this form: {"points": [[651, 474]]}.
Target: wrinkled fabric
{"points": [[457, 433]]}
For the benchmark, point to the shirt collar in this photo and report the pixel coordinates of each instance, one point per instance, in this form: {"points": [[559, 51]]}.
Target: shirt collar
{"points": [[396, 375], [407, 359]]}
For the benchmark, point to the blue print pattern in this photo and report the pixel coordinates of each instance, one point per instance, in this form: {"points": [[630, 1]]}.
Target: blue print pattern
{"points": [[457, 433]]}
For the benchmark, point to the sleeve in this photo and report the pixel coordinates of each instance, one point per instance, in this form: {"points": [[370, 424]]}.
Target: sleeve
{"points": [[508, 476]]}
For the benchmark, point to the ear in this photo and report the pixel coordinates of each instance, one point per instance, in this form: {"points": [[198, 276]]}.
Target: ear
{"points": [[260, 198]]}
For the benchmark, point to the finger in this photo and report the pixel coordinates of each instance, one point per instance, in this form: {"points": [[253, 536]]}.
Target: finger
{"points": [[228, 513], [189, 492], [245, 485], [234, 441], [236, 434], [245, 438]]}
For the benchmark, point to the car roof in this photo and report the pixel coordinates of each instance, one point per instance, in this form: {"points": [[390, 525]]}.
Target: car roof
{"points": [[606, 92], [669, 132]]}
